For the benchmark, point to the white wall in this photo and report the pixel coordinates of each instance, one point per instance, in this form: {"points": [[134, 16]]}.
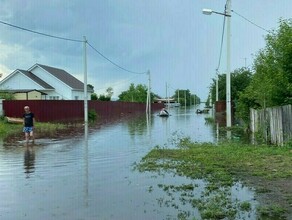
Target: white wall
{"points": [[61, 89], [80, 95], [19, 81]]}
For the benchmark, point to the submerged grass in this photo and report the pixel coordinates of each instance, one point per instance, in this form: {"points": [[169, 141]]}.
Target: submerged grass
{"points": [[221, 166], [7, 129], [41, 129], [222, 161]]}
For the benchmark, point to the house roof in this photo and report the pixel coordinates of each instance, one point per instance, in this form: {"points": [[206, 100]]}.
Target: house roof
{"points": [[27, 91], [64, 77], [36, 79]]}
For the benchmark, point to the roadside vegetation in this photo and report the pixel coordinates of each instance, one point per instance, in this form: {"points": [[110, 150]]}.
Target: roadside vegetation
{"points": [[268, 82], [221, 167], [42, 129]]}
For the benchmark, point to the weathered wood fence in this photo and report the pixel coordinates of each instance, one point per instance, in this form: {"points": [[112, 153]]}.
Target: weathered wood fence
{"points": [[274, 124]]}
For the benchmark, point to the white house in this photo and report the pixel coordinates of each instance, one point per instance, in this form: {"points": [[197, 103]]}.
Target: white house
{"points": [[44, 82]]}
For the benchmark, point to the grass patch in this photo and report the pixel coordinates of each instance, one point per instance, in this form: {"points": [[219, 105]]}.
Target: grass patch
{"points": [[221, 166], [220, 162], [7, 129], [271, 212], [45, 129]]}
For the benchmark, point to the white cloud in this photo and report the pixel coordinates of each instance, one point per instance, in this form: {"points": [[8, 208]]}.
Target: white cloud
{"points": [[4, 71]]}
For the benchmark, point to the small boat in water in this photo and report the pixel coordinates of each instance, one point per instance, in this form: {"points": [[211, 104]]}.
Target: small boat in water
{"points": [[163, 113], [199, 111]]}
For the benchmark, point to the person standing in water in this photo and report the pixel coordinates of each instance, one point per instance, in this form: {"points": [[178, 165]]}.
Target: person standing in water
{"points": [[28, 123]]}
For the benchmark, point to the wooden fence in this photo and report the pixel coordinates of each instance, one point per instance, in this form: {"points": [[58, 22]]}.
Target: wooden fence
{"points": [[73, 110], [274, 124]]}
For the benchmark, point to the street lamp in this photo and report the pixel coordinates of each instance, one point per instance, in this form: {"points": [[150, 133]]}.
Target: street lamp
{"points": [[207, 11], [217, 87], [228, 81]]}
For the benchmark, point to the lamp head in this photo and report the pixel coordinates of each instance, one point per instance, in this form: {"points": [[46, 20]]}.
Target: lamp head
{"points": [[207, 11]]}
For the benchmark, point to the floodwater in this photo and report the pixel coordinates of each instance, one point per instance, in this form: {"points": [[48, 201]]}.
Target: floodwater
{"points": [[92, 176]]}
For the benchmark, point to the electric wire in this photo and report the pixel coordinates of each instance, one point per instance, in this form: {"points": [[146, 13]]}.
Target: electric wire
{"points": [[40, 33], [70, 39], [251, 21], [114, 62], [221, 46]]}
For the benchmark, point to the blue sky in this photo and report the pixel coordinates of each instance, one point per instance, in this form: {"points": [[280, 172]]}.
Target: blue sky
{"points": [[171, 38]]}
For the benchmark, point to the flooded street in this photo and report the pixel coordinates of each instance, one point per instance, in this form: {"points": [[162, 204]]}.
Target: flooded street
{"points": [[95, 178]]}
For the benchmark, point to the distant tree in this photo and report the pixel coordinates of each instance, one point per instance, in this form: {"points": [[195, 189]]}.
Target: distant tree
{"points": [[94, 96], [109, 92], [103, 97], [135, 94], [240, 79], [184, 96], [90, 87], [196, 99]]}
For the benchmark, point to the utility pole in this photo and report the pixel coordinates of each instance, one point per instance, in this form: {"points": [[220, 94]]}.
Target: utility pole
{"points": [[217, 86], [85, 82], [228, 78], [148, 101], [227, 14], [185, 99]]}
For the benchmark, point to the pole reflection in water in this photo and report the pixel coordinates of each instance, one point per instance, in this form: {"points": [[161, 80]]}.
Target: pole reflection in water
{"points": [[148, 124], [86, 188], [29, 160]]}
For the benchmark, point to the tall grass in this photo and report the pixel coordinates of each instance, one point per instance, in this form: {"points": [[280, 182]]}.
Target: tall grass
{"points": [[8, 129]]}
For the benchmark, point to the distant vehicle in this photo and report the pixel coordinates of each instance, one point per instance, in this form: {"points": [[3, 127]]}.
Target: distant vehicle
{"points": [[172, 104], [199, 111], [168, 102]]}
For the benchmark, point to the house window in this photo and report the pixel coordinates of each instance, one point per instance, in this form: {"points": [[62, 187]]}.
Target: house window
{"points": [[54, 97], [76, 97]]}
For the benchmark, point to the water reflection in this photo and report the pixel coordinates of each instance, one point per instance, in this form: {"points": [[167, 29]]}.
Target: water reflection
{"points": [[139, 125], [86, 181], [91, 176], [29, 160]]}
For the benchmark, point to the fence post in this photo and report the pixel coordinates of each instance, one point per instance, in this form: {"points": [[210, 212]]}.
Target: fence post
{"points": [[1, 107]]}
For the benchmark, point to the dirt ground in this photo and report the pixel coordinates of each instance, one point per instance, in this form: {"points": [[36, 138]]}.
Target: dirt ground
{"points": [[272, 192]]}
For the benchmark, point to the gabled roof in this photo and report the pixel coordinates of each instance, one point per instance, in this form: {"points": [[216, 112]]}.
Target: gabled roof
{"points": [[62, 75], [27, 91], [36, 79]]}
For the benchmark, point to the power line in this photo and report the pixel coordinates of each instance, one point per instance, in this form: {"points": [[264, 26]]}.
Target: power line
{"points": [[221, 46], [114, 62], [40, 33], [251, 22], [70, 39]]}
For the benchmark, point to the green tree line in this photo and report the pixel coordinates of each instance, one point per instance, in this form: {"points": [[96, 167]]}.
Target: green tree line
{"points": [[269, 82]]}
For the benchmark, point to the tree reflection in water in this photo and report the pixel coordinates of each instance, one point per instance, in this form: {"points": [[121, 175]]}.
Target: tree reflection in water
{"points": [[139, 124]]}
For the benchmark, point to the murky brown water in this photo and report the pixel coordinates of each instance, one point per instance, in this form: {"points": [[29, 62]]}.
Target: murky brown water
{"points": [[94, 178]]}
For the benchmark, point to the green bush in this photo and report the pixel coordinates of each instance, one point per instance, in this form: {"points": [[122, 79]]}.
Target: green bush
{"points": [[92, 115]]}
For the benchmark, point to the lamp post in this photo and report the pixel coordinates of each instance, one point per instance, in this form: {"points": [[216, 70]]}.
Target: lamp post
{"points": [[227, 14], [85, 82], [217, 87]]}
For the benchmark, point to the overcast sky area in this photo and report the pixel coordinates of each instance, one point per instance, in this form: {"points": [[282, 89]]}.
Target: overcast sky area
{"points": [[171, 38]]}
